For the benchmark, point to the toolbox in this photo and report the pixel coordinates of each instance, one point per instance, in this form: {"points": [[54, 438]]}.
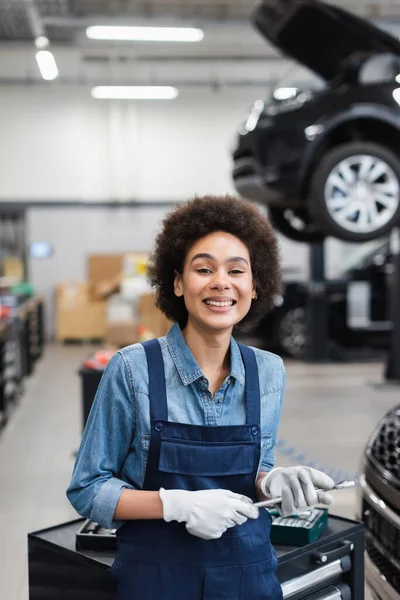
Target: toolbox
{"points": [[330, 568], [92, 536], [298, 530], [291, 531]]}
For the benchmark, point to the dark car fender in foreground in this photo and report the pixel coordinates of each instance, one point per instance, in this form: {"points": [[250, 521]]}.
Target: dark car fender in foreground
{"points": [[379, 507]]}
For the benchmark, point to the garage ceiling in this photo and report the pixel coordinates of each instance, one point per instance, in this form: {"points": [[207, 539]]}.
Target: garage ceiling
{"points": [[232, 52], [59, 18]]}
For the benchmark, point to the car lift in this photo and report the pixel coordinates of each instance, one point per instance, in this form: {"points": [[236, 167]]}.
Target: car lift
{"points": [[316, 306], [317, 309], [392, 372]]}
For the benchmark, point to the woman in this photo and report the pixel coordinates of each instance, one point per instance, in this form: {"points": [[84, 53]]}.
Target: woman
{"points": [[180, 439]]}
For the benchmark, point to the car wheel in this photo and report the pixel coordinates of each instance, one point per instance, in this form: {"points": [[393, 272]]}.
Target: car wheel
{"points": [[355, 192], [295, 225], [291, 333]]}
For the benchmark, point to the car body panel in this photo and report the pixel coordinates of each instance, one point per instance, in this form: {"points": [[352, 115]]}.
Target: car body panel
{"points": [[378, 498], [338, 38], [353, 112]]}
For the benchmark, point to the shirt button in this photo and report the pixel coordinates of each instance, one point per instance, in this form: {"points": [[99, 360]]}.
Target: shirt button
{"points": [[254, 430], [219, 399], [159, 426]]}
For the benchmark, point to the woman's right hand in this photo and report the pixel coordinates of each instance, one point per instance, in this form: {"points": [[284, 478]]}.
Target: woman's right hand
{"points": [[207, 513]]}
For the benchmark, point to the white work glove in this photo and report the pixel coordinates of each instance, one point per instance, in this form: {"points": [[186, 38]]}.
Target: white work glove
{"points": [[296, 486], [207, 513]]}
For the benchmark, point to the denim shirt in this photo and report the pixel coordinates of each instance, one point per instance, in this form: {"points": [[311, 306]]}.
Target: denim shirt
{"points": [[114, 448]]}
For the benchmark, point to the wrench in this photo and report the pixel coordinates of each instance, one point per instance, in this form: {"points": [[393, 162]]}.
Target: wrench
{"points": [[340, 485]]}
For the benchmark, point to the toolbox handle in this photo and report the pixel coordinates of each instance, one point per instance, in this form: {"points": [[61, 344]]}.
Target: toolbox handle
{"points": [[345, 548]]}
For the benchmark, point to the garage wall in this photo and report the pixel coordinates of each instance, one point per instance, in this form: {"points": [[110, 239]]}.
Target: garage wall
{"points": [[62, 144]]}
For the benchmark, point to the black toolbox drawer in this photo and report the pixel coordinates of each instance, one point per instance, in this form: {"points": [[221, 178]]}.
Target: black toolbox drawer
{"points": [[329, 569]]}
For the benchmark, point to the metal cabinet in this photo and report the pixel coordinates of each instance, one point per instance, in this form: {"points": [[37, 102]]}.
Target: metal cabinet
{"points": [[329, 569]]}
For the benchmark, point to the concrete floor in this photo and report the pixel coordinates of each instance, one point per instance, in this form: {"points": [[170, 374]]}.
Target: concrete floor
{"points": [[329, 413]]}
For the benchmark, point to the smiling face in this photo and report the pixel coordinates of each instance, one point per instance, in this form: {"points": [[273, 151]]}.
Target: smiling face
{"points": [[216, 283]]}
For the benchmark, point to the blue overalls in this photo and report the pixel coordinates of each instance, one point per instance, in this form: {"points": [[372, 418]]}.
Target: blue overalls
{"points": [[157, 560]]}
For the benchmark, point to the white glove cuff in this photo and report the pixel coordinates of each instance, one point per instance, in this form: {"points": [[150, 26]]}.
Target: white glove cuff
{"points": [[264, 482]]}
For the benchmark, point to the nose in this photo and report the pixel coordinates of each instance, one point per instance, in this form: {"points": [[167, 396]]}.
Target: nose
{"points": [[220, 281]]}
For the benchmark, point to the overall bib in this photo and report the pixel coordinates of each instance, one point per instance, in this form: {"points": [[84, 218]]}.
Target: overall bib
{"points": [[162, 561]]}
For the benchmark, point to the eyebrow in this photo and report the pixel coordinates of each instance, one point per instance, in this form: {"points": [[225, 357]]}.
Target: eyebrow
{"points": [[231, 259]]}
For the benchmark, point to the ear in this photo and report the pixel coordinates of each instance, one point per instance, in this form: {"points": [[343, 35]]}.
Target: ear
{"points": [[254, 292], [178, 285]]}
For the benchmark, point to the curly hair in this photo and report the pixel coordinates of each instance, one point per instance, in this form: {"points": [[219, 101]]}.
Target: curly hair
{"points": [[199, 217]]}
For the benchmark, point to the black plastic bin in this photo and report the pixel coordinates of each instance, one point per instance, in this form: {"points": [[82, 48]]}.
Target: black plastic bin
{"points": [[90, 379]]}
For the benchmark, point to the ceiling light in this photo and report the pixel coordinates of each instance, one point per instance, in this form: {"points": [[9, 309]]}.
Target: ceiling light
{"points": [[134, 92], [144, 34], [47, 64], [41, 42], [398, 78]]}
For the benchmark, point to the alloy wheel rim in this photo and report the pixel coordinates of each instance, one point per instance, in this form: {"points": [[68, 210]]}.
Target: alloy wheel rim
{"points": [[362, 193], [293, 332]]}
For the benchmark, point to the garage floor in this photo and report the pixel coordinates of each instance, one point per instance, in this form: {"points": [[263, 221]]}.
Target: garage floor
{"points": [[329, 412]]}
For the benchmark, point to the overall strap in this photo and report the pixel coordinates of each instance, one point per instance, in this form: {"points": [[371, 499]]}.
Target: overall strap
{"points": [[157, 391], [252, 385]]}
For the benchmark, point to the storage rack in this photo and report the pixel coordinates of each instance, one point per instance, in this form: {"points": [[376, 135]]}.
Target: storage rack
{"points": [[21, 345]]}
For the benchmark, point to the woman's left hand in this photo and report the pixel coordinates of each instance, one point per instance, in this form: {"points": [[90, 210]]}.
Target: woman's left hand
{"points": [[297, 487]]}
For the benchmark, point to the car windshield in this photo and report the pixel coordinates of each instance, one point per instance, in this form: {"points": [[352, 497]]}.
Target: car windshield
{"points": [[356, 258], [296, 78], [381, 68]]}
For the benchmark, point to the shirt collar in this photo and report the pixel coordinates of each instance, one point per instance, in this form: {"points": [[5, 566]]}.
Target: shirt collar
{"points": [[186, 364]]}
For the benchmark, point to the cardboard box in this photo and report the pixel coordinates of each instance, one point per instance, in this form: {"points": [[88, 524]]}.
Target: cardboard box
{"points": [[151, 317], [77, 317], [84, 322], [122, 334], [134, 264], [72, 294], [104, 289], [13, 267], [106, 272], [119, 310], [104, 267]]}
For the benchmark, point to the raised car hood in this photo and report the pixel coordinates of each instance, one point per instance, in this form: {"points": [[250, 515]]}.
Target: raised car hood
{"points": [[324, 38]]}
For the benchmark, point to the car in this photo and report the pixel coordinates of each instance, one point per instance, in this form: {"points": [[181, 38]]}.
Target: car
{"points": [[357, 304], [325, 158], [379, 507]]}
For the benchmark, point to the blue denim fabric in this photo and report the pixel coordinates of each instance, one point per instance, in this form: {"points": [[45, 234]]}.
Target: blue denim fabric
{"points": [[114, 447]]}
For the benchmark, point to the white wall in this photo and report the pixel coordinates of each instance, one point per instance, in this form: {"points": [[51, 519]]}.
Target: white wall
{"points": [[62, 144]]}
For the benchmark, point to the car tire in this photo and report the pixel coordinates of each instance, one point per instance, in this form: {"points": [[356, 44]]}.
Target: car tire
{"points": [[355, 192], [283, 221], [291, 333]]}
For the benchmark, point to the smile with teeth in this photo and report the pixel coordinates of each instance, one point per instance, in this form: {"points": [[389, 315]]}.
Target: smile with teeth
{"points": [[214, 303]]}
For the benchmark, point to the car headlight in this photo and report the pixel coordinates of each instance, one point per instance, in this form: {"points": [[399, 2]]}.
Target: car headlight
{"points": [[288, 104], [251, 118]]}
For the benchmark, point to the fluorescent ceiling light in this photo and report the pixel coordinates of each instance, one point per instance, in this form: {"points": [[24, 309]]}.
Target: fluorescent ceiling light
{"points": [[134, 92], [47, 64], [144, 34], [41, 42], [398, 78]]}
